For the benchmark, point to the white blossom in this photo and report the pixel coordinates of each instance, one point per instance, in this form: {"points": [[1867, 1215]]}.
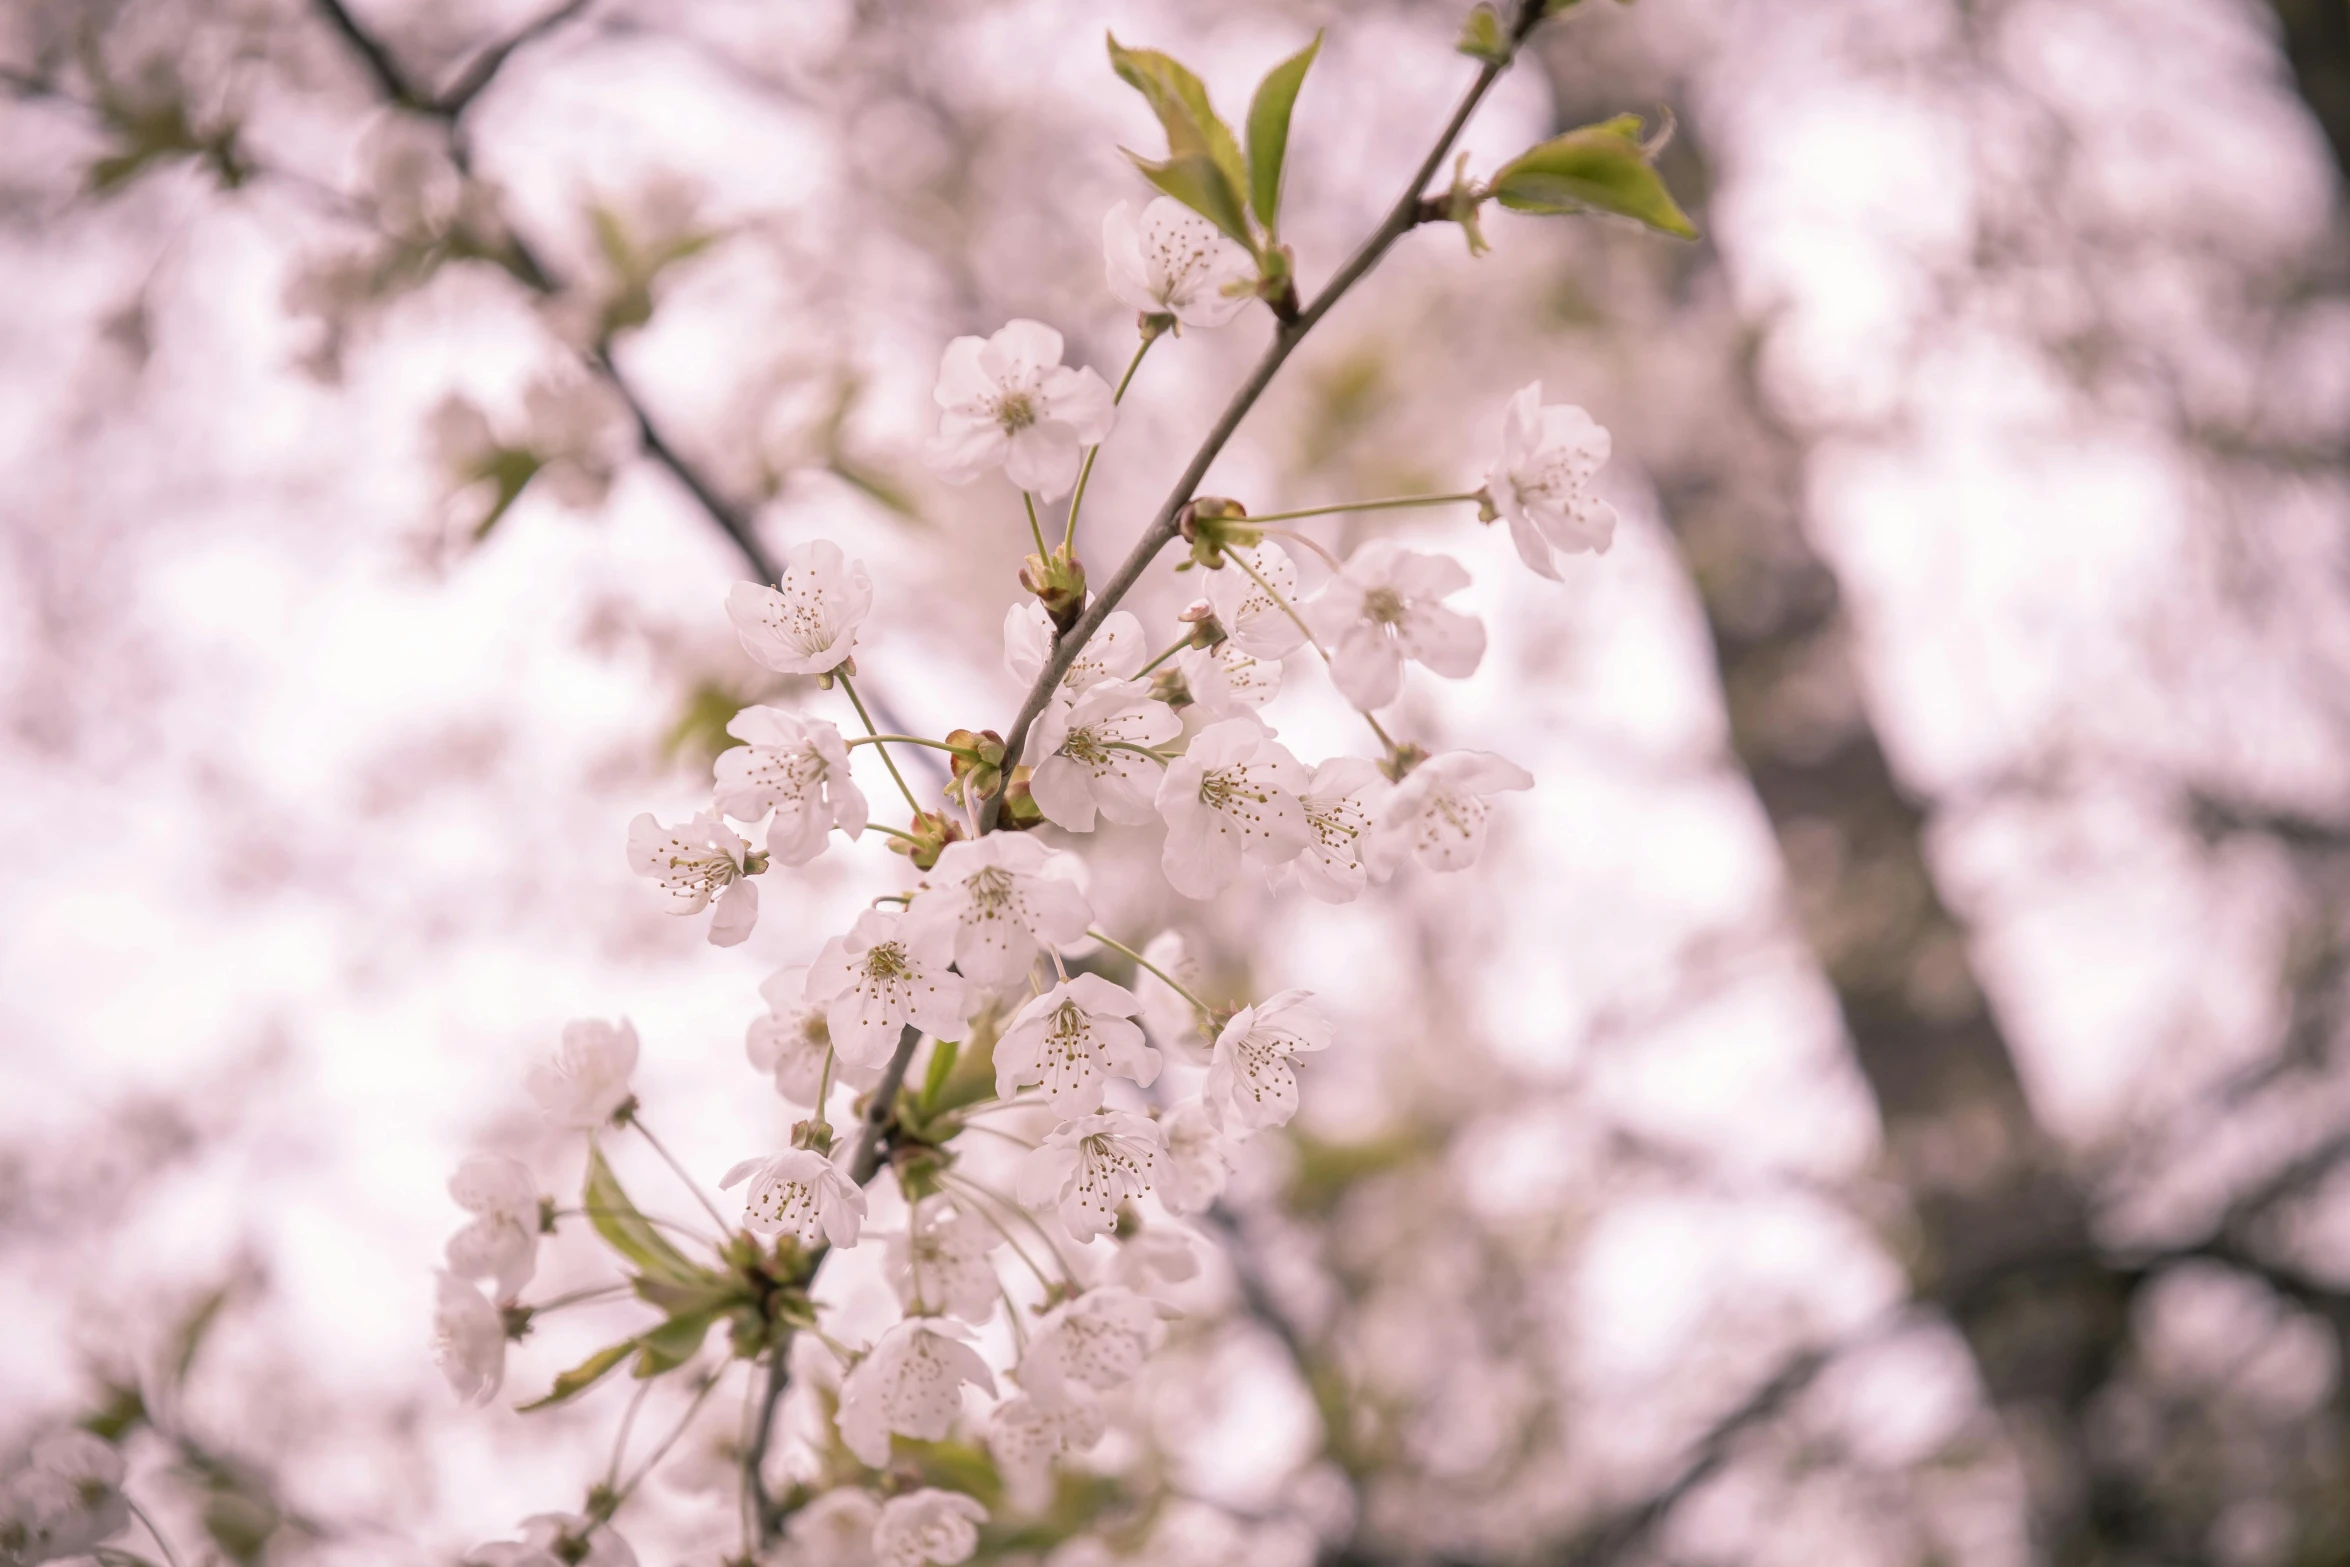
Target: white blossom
{"points": [[1542, 484], [1438, 813], [928, 1525], [1231, 795], [65, 1502], [1385, 607], [799, 769], [910, 1384], [1226, 682], [1114, 652], [1150, 1258], [693, 864], [807, 623], [587, 1082], [1250, 616], [834, 1530], [884, 976], [801, 1192], [1176, 263], [557, 1540], [1008, 399], [1086, 761], [1099, 1340], [1196, 1167], [792, 1040], [940, 1262], [502, 1242], [1088, 1167], [1171, 1018], [1340, 804], [1252, 1083], [1026, 1437], [1073, 1039], [468, 1339], [997, 903]]}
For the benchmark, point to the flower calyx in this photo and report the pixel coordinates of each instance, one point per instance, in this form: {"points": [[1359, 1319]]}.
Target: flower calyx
{"points": [[814, 1133], [1020, 810], [1402, 760], [1058, 581], [1212, 524], [1459, 204], [977, 765], [1169, 686], [927, 836], [515, 1317]]}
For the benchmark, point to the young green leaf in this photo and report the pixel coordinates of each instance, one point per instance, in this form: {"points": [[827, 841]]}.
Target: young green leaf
{"points": [[671, 1344], [1203, 170], [1599, 168], [1483, 35], [1200, 185], [583, 1376], [629, 1232], [1268, 133]]}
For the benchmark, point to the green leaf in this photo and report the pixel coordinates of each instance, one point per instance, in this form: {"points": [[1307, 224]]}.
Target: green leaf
{"points": [[583, 1376], [1268, 132], [1601, 168], [1199, 184], [629, 1232], [1203, 169], [672, 1344], [1483, 35]]}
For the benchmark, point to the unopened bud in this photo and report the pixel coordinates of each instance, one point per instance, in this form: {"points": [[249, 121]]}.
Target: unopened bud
{"points": [[1169, 686], [1058, 581], [930, 832], [1213, 524], [1206, 629], [977, 766], [1020, 810]]}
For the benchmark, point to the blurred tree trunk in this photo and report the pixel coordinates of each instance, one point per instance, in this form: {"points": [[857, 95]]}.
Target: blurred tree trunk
{"points": [[2316, 40]]}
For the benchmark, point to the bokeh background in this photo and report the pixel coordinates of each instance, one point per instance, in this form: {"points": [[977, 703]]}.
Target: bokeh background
{"points": [[1881, 1099]]}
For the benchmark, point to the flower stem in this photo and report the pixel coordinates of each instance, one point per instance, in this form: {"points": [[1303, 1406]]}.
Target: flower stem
{"points": [[1035, 528], [1393, 503], [670, 1159], [620, 1438], [900, 835], [1312, 641], [576, 1297], [878, 738], [1331, 560], [709, 1383], [1171, 982], [170, 1556], [935, 745], [1077, 496], [958, 1185], [1173, 648]]}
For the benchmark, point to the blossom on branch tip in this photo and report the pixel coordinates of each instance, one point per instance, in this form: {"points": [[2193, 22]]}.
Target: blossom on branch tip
{"points": [[1089, 1167], [1542, 485], [1231, 795], [1173, 262], [1087, 761], [799, 769], [807, 623], [909, 1384], [802, 1193], [1438, 813], [502, 1243], [929, 1525], [940, 1262], [1009, 400], [1252, 1082], [995, 903], [695, 864], [1073, 1039], [792, 1040], [1340, 804], [1250, 616], [1026, 1436], [883, 976], [556, 1540], [587, 1082], [1114, 652], [468, 1339], [1385, 607]]}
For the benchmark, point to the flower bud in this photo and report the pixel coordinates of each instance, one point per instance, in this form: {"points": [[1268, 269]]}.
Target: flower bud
{"points": [[1058, 581], [1213, 524], [1169, 686], [1206, 629], [931, 831], [1020, 810], [977, 766]]}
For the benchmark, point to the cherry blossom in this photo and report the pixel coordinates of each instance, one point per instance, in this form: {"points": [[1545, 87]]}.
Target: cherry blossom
{"points": [[1114, 652], [799, 769], [909, 1384], [586, 1084], [1438, 813], [792, 1040], [1385, 608], [997, 904], [928, 1525], [802, 1193], [1008, 399], [940, 1262], [468, 1339], [884, 976], [1088, 758], [1340, 804], [502, 1243], [1073, 1039], [693, 864], [1099, 1340], [1176, 263], [1196, 1169], [65, 1502], [1088, 1167], [1231, 795], [1542, 484], [1225, 682], [557, 1540], [1254, 620], [1027, 1436], [1171, 1018], [807, 623], [1251, 1081], [1150, 1258], [834, 1530]]}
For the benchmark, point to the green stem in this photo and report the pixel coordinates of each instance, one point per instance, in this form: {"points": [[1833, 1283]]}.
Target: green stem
{"points": [[1173, 648], [709, 1383], [670, 1159], [958, 1185], [1331, 560], [877, 738], [1395, 503], [575, 1297], [824, 1084], [1035, 529], [169, 1555], [1312, 641], [1170, 980], [935, 745], [1085, 472], [901, 836], [620, 1438]]}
